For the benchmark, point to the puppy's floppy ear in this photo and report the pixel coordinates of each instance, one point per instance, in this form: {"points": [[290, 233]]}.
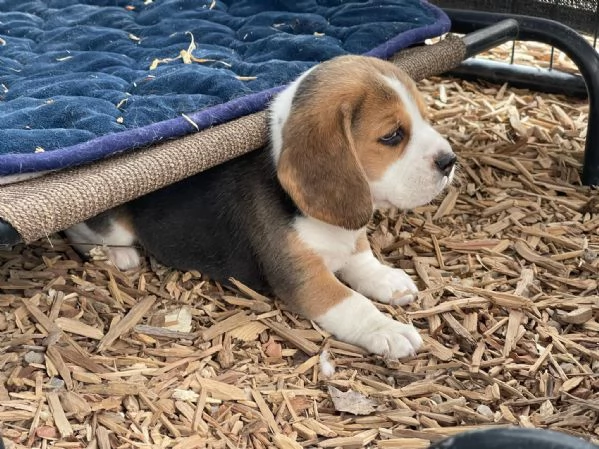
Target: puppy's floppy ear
{"points": [[319, 168]]}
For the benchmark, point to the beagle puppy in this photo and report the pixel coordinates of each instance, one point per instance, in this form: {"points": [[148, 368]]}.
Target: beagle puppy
{"points": [[347, 136]]}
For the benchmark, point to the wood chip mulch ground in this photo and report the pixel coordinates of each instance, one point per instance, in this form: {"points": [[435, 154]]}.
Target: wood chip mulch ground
{"points": [[508, 266]]}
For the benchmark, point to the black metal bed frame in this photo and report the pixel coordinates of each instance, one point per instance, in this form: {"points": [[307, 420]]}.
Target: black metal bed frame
{"points": [[486, 30]]}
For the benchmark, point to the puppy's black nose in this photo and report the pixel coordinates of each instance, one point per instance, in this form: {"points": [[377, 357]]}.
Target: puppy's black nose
{"points": [[445, 162]]}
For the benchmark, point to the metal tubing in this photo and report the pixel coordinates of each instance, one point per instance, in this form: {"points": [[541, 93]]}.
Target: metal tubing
{"points": [[565, 39], [9, 237], [533, 78], [491, 36]]}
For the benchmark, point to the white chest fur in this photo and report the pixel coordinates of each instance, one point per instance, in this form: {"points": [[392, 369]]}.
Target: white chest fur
{"points": [[334, 244]]}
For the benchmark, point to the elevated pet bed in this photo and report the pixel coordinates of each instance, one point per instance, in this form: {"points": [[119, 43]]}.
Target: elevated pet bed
{"points": [[108, 168], [41, 206], [118, 98]]}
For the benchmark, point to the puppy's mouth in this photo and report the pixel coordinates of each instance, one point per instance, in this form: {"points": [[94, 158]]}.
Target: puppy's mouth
{"points": [[447, 180], [419, 192]]}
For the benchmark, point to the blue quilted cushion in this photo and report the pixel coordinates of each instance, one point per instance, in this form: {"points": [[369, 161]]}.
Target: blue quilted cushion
{"points": [[82, 80]]}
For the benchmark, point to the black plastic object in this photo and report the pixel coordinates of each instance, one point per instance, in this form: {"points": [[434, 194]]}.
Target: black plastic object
{"points": [[513, 438], [563, 38]]}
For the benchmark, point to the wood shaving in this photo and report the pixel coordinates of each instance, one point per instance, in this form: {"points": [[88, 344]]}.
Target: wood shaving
{"points": [[351, 401]]}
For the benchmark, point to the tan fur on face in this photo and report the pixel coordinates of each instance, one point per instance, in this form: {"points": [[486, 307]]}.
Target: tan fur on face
{"points": [[331, 146]]}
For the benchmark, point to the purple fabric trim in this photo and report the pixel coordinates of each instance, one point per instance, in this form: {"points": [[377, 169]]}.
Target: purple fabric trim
{"points": [[392, 46], [111, 144]]}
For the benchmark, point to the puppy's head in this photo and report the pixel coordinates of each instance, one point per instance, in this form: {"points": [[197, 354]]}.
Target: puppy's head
{"points": [[349, 135]]}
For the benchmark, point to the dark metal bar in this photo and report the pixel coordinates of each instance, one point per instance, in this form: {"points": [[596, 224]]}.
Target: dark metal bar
{"points": [[542, 80], [565, 39], [596, 26], [491, 36], [9, 237]]}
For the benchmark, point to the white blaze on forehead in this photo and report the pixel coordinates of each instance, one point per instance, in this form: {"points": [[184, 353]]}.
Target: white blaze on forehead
{"points": [[406, 98], [279, 113]]}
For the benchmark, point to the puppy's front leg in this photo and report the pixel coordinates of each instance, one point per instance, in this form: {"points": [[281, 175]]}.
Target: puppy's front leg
{"points": [[365, 274], [346, 314], [355, 319]]}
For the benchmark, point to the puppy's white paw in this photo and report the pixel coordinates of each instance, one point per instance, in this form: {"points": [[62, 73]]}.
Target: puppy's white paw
{"points": [[356, 320], [124, 258], [389, 285], [393, 340]]}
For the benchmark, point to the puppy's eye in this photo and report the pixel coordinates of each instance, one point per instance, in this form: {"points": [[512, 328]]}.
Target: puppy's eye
{"points": [[393, 138]]}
